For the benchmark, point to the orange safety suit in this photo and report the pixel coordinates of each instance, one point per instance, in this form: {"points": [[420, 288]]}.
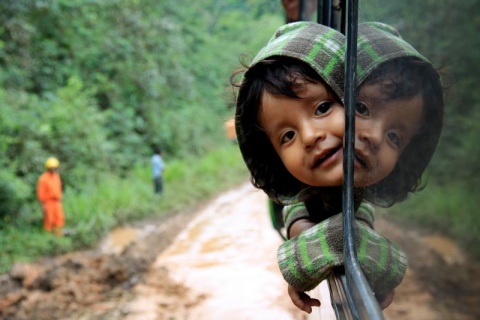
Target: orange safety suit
{"points": [[230, 128], [49, 193]]}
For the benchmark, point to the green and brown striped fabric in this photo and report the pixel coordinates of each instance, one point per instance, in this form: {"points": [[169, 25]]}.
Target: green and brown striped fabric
{"points": [[321, 47], [377, 43], [309, 258]]}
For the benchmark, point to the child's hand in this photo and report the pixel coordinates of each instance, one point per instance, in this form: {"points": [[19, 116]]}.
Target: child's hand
{"points": [[302, 300], [385, 300], [299, 226]]}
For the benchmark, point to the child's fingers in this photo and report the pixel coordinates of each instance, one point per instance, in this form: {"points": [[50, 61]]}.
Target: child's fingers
{"points": [[301, 300], [386, 299], [314, 302], [297, 300]]}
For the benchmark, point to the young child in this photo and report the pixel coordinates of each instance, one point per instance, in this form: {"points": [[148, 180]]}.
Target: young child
{"points": [[398, 125], [290, 123], [268, 146], [300, 56]]}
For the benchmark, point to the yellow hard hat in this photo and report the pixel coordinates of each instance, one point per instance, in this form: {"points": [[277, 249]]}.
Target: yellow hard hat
{"points": [[52, 163]]}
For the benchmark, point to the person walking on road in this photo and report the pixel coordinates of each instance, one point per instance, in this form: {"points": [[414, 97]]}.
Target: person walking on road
{"points": [[49, 194], [158, 166]]}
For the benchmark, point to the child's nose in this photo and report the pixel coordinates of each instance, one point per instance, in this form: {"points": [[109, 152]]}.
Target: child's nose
{"points": [[369, 134], [311, 134]]}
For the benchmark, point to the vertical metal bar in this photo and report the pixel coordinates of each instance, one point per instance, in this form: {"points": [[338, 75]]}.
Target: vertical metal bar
{"points": [[301, 11], [327, 13], [337, 20], [343, 16], [359, 294], [320, 12]]}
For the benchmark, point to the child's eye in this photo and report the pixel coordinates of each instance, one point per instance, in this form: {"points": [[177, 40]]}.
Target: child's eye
{"points": [[287, 137], [362, 109], [394, 138], [323, 108]]}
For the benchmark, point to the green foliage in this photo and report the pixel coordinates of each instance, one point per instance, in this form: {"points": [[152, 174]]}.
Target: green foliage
{"points": [[446, 210], [66, 125], [27, 244], [151, 65], [112, 200], [98, 83], [13, 193]]}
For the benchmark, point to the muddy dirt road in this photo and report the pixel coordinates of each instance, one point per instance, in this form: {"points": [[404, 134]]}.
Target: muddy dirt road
{"points": [[219, 263]]}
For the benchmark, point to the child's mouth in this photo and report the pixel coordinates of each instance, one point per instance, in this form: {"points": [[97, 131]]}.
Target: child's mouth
{"points": [[360, 160], [325, 157]]}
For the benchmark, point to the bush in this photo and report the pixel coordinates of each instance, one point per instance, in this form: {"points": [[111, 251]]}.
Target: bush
{"points": [[98, 205], [13, 194], [449, 209]]}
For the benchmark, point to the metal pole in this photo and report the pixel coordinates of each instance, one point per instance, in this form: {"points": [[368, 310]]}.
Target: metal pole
{"points": [[359, 294]]}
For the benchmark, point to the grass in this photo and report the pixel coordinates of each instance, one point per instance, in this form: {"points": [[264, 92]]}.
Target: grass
{"points": [[449, 210], [112, 201]]}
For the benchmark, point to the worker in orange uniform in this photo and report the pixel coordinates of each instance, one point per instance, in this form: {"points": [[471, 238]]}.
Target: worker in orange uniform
{"points": [[49, 193], [230, 130]]}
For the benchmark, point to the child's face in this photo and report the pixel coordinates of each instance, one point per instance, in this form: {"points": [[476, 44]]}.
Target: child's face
{"points": [[383, 128], [307, 133]]}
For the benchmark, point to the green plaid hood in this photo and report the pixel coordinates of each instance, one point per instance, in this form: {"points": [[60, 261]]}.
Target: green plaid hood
{"points": [[377, 43], [321, 47]]}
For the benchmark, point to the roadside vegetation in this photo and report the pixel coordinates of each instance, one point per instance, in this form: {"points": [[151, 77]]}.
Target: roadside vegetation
{"points": [[98, 84], [112, 201], [448, 211]]}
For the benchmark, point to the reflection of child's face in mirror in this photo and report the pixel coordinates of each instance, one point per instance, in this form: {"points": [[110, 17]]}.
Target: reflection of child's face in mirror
{"points": [[307, 133], [383, 128]]}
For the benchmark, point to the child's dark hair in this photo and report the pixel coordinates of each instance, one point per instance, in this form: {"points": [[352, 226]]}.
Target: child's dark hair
{"points": [[404, 78], [276, 76]]}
